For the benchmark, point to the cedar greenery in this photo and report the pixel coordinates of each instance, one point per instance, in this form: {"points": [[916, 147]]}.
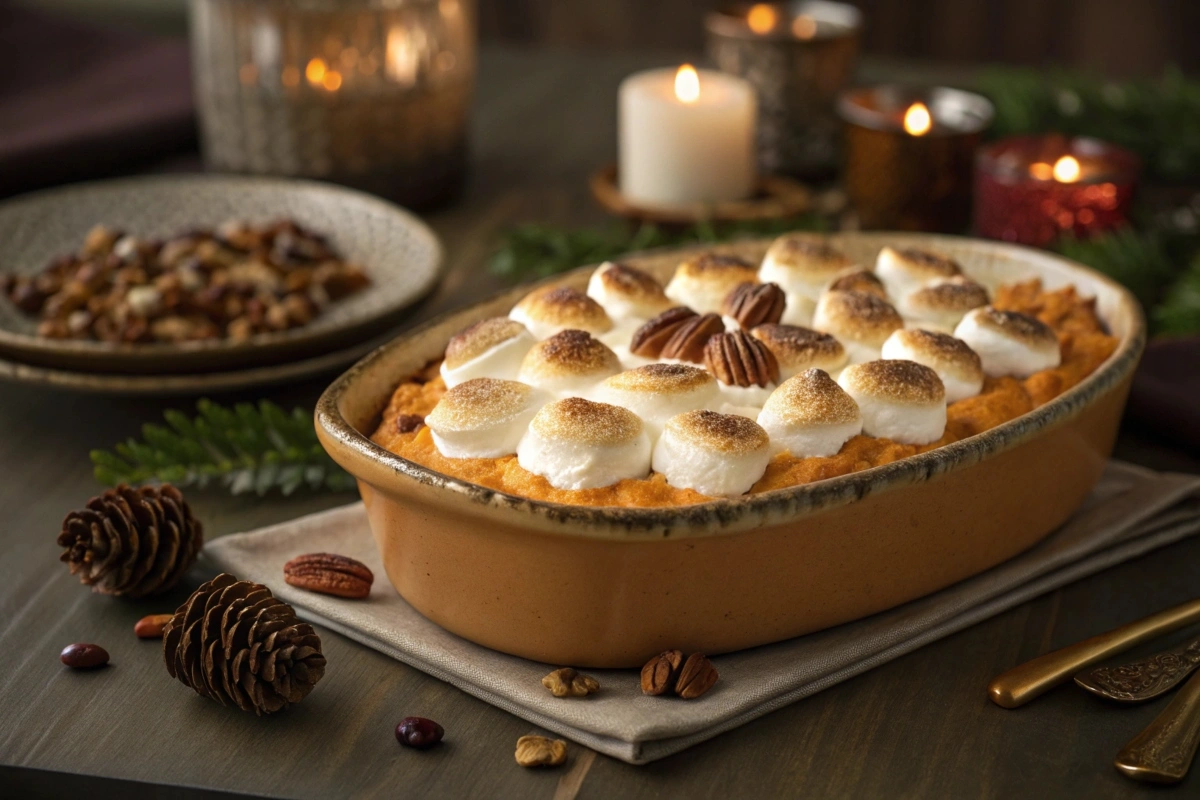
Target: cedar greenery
{"points": [[247, 448]]}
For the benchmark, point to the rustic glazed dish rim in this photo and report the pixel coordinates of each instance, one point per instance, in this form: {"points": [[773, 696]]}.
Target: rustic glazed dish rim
{"points": [[728, 515], [302, 335]]}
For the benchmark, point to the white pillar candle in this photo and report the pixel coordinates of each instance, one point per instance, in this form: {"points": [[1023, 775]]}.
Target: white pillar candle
{"points": [[686, 137]]}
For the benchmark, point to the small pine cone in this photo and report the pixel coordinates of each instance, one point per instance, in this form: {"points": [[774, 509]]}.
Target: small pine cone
{"points": [[233, 642], [132, 542]]}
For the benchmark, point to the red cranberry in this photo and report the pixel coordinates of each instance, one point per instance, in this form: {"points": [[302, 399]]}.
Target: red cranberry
{"points": [[419, 732]]}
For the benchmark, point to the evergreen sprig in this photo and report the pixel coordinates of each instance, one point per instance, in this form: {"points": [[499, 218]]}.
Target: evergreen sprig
{"points": [[537, 251], [1157, 118], [1179, 311], [247, 448]]}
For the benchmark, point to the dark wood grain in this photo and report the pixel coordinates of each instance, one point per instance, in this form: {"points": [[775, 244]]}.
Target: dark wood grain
{"points": [[918, 727]]}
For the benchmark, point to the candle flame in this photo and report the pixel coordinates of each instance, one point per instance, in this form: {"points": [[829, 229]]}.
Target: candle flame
{"points": [[761, 18], [804, 27], [687, 84], [315, 71], [917, 120], [1066, 170]]}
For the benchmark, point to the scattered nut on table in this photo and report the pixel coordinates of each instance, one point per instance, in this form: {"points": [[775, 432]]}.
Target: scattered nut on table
{"points": [[696, 677], [538, 751], [567, 682], [84, 656], [661, 672], [151, 627], [419, 733], [329, 573]]}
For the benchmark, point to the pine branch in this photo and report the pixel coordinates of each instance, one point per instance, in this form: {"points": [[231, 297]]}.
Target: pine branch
{"points": [[246, 448], [1179, 311], [1136, 260], [1159, 119], [537, 251]]}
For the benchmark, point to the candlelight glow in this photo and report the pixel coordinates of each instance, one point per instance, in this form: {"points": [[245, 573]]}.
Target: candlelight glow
{"points": [[761, 18], [804, 27], [1041, 170], [1066, 170], [315, 71], [917, 120], [687, 84]]}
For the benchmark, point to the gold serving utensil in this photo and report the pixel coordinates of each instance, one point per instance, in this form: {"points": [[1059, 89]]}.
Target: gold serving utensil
{"points": [[1163, 752], [1143, 680], [1021, 684]]}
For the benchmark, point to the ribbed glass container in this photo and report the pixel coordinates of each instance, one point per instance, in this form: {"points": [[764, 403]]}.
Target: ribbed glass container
{"points": [[374, 94]]}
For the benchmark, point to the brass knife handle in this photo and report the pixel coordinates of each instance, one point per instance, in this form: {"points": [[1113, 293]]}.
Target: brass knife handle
{"points": [[1021, 684], [1163, 752]]}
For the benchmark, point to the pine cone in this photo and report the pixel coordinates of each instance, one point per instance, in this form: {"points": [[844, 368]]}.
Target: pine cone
{"points": [[132, 542], [235, 643]]}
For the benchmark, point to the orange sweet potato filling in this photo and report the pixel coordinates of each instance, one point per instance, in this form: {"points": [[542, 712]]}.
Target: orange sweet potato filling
{"points": [[1085, 346]]}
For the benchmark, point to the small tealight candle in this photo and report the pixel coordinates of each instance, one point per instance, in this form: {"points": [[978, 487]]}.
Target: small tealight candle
{"points": [[686, 136], [1033, 189]]}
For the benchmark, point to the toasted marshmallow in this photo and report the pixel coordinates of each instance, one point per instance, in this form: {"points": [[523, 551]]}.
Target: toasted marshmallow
{"points": [[942, 303], [721, 455], [568, 363], [802, 264], [858, 280], [627, 294], [577, 444], [860, 321], [702, 283], [551, 309], [1008, 342], [908, 269], [492, 348], [483, 417], [952, 359], [899, 400], [810, 415], [797, 349], [658, 392], [798, 310]]}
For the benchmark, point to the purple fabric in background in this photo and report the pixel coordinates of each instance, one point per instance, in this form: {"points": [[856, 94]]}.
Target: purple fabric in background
{"points": [[81, 101]]}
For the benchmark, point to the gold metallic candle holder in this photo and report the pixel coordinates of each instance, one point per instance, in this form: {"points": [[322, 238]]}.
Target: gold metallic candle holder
{"points": [[909, 155], [798, 56], [370, 93]]}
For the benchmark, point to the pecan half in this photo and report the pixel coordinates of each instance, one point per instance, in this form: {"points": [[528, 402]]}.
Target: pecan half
{"points": [[567, 682], [755, 304], [697, 677], [651, 337], [687, 343], [328, 573], [538, 751], [661, 672], [738, 359]]}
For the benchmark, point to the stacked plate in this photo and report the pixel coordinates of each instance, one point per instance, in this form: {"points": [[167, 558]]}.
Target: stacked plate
{"points": [[399, 253]]}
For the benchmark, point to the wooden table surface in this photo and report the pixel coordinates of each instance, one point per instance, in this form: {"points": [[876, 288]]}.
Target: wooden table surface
{"points": [[917, 727]]}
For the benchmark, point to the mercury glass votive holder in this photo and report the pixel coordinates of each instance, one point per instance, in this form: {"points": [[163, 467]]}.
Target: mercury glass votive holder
{"points": [[373, 94], [909, 155], [798, 56]]}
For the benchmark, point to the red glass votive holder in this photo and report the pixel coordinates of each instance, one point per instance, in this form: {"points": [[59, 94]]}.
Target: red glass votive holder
{"points": [[1034, 189]]}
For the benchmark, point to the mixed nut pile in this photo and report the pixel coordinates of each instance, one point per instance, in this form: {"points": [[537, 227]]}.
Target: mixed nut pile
{"points": [[231, 283]]}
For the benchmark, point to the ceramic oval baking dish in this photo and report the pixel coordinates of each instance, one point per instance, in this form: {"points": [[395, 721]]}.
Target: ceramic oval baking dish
{"points": [[609, 587]]}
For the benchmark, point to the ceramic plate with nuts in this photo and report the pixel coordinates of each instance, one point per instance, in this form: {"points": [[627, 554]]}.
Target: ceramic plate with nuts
{"points": [[189, 274]]}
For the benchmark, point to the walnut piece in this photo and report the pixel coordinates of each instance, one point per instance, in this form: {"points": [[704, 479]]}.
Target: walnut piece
{"points": [[567, 682], [538, 751]]}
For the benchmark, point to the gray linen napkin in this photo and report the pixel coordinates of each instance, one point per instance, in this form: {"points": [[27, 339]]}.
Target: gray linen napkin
{"points": [[1131, 511]]}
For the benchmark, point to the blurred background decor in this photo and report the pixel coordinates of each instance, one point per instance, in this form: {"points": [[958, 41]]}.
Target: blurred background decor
{"points": [[374, 94], [798, 56], [909, 154]]}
